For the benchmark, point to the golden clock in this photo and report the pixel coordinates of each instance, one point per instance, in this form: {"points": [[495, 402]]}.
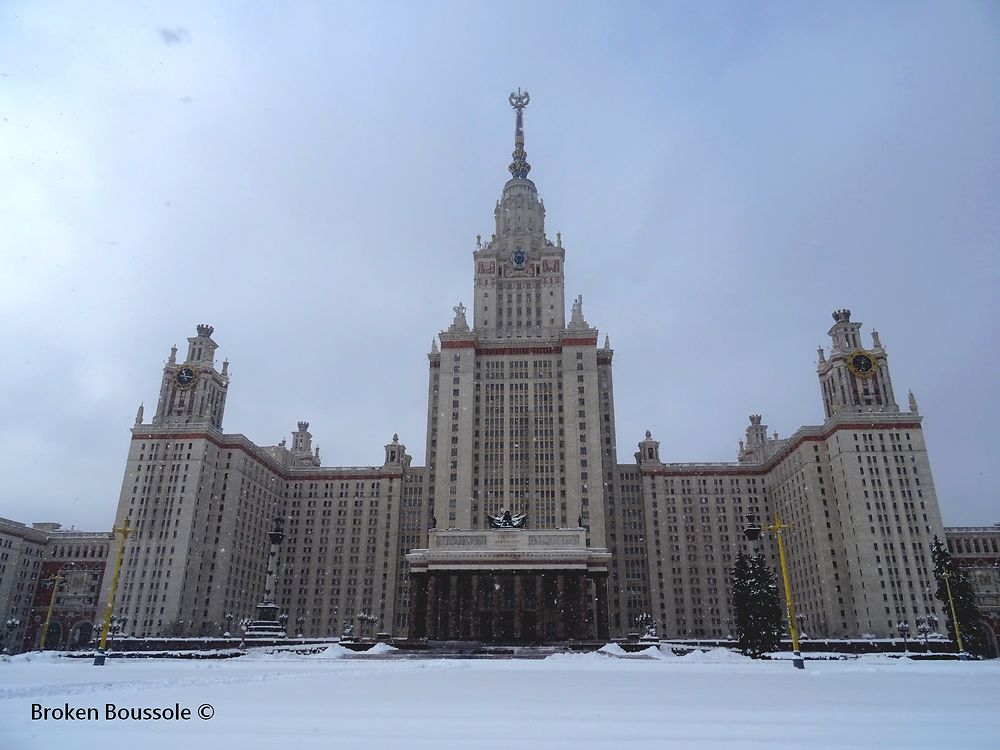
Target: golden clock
{"points": [[861, 363], [185, 376]]}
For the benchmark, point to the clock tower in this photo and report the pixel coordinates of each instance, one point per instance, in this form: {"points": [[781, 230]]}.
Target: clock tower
{"points": [[193, 392], [853, 379]]}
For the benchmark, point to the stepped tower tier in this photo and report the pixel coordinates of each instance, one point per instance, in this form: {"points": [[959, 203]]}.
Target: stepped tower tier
{"points": [[519, 281]]}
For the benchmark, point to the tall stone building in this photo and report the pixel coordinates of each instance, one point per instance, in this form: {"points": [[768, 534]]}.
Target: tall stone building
{"points": [[521, 433]]}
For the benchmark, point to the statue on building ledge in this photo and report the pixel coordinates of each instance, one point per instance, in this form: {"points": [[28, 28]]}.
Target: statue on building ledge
{"points": [[508, 520], [461, 323]]}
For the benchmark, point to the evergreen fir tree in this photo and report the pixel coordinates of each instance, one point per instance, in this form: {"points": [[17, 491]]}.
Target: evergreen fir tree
{"points": [[974, 638], [755, 605]]}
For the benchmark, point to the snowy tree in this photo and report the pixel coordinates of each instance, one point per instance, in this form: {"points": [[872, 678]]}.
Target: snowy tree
{"points": [[756, 608], [974, 638]]}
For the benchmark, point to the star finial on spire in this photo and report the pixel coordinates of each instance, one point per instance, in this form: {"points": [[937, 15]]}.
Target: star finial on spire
{"points": [[519, 167]]}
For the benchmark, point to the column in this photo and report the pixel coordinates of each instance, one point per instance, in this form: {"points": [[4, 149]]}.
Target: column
{"points": [[476, 606], [453, 607], [540, 606], [561, 612], [583, 620], [603, 624], [518, 606], [432, 606], [416, 587], [464, 607], [495, 625]]}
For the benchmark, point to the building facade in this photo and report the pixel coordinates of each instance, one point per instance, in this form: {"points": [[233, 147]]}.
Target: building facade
{"points": [[22, 549], [521, 420], [73, 566], [976, 550], [39, 559]]}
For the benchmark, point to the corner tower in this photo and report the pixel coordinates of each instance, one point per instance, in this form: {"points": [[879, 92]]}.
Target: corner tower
{"points": [[193, 392], [854, 379]]}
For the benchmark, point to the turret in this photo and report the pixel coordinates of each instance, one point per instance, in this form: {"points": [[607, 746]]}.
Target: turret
{"points": [[395, 453], [302, 449], [854, 379], [193, 393], [649, 451]]}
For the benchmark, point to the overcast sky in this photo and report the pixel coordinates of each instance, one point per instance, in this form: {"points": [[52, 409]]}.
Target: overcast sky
{"points": [[310, 179]]}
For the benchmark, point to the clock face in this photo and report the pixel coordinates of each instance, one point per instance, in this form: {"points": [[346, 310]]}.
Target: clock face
{"points": [[185, 376], [518, 258], [861, 363]]}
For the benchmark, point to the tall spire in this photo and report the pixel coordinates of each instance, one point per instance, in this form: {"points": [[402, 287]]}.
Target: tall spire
{"points": [[519, 168]]}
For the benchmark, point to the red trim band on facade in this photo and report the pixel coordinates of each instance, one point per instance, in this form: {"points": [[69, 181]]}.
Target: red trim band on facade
{"points": [[761, 469], [502, 350], [495, 351], [285, 473]]}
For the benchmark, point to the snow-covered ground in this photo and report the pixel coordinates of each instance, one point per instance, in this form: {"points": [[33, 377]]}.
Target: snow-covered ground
{"points": [[598, 700]]}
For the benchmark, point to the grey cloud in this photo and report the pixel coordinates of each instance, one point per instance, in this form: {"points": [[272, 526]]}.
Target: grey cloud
{"points": [[175, 36]]}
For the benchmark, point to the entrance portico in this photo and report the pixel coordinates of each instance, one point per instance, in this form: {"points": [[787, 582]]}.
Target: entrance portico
{"points": [[509, 585]]}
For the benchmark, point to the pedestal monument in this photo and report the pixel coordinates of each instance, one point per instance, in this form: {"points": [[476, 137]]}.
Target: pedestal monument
{"points": [[268, 623]]}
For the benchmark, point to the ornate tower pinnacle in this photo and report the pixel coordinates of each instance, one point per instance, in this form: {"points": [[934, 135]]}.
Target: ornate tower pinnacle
{"points": [[519, 168]]}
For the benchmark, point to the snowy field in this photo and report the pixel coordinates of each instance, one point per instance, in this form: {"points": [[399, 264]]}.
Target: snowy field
{"points": [[342, 700]]}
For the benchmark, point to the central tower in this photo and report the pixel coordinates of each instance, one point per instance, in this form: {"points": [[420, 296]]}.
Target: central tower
{"points": [[516, 407], [520, 418]]}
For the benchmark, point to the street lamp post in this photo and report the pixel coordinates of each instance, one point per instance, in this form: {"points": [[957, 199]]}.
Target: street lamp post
{"points": [[123, 531], [904, 630], [946, 574], [364, 617], [752, 532], [117, 625], [244, 626], [300, 621], [229, 623], [58, 583], [11, 626], [932, 624], [800, 619]]}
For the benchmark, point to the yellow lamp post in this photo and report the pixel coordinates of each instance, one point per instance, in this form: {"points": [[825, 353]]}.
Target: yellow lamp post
{"points": [[946, 574], [777, 528], [752, 532], [123, 532], [56, 581]]}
